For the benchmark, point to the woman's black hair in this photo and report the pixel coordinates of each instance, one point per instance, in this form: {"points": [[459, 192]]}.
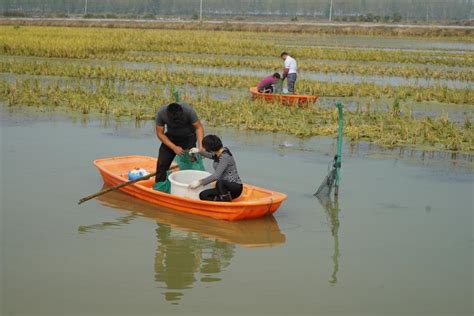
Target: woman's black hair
{"points": [[276, 75], [211, 143], [175, 112], [283, 54]]}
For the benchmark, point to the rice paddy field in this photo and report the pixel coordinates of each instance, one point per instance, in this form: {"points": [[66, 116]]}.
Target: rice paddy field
{"points": [[404, 91], [397, 241]]}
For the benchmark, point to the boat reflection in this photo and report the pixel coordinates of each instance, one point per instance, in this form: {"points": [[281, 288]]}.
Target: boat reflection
{"points": [[332, 210], [190, 248], [181, 257]]}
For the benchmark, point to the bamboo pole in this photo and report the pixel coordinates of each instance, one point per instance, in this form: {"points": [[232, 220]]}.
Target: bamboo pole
{"points": [[118, 186]]}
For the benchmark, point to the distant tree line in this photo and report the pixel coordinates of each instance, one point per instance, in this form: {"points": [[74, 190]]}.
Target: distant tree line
{"points": [[347, 10]]}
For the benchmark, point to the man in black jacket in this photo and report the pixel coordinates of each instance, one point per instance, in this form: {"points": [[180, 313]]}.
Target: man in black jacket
{"points": [[183, 129]]}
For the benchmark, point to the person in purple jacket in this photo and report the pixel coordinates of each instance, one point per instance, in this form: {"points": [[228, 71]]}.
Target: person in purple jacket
{"points": [[266, 85]]}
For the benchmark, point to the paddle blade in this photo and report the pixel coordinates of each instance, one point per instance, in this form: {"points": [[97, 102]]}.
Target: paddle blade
{"points": [[326, 186]]}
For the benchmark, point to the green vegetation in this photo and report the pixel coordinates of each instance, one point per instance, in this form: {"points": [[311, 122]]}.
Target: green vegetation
{"points": [[370, 17], [93, 86], [108, 43], [391, 128], [406, 71], [462, 33], [160, 75]]}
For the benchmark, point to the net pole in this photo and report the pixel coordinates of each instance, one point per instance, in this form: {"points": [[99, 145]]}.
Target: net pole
{"points": [[340, 133]]}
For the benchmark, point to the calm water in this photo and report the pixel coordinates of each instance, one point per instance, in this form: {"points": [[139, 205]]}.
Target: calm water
{"points": [[399, 241]]}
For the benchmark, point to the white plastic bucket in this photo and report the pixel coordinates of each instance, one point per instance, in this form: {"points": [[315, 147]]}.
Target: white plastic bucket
{"points": [[181, 179]]}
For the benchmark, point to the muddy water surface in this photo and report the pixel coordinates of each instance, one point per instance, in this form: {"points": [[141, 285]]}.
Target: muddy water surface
{"points": [[399, 240]]}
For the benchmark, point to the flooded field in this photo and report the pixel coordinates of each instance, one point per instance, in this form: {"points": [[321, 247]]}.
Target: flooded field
{"points": [[399, 241], [455, 112], [242, 71]]}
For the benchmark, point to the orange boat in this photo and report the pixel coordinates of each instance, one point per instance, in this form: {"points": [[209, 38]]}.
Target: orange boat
{"points": [[254, 201], [291, 99]]}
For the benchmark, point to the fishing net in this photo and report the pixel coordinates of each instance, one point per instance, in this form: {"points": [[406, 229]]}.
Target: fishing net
{"points": [[163, 186], [328, 183], [185, 161], [189, 162], [278, 87], [333, 177]]}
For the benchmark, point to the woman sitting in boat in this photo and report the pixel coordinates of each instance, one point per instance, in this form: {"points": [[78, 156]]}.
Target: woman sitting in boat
{"points": [[228, 183], [267, 85]]}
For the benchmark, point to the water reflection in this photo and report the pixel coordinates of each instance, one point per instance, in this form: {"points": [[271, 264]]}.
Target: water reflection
{"points": [[332, 210], [109, 224], [181, 256], [190, 248]]}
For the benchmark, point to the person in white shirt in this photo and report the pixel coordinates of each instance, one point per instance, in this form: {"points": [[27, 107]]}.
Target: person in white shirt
{"points": [[289, 71]]}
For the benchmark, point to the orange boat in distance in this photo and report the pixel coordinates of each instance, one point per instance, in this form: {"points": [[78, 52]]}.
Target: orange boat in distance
{"points": [[290, 99], [253, 203]]}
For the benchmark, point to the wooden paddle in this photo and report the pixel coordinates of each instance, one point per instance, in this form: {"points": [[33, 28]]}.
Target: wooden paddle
{"points": [[121, 185]]}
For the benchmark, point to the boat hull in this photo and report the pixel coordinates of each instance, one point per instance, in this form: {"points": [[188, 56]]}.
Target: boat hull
{"points": [[255, 202], [290, 99]]}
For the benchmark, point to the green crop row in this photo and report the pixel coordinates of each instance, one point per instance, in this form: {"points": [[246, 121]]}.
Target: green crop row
{"points": [[95, 42], [161, 75], [391, 128]]}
